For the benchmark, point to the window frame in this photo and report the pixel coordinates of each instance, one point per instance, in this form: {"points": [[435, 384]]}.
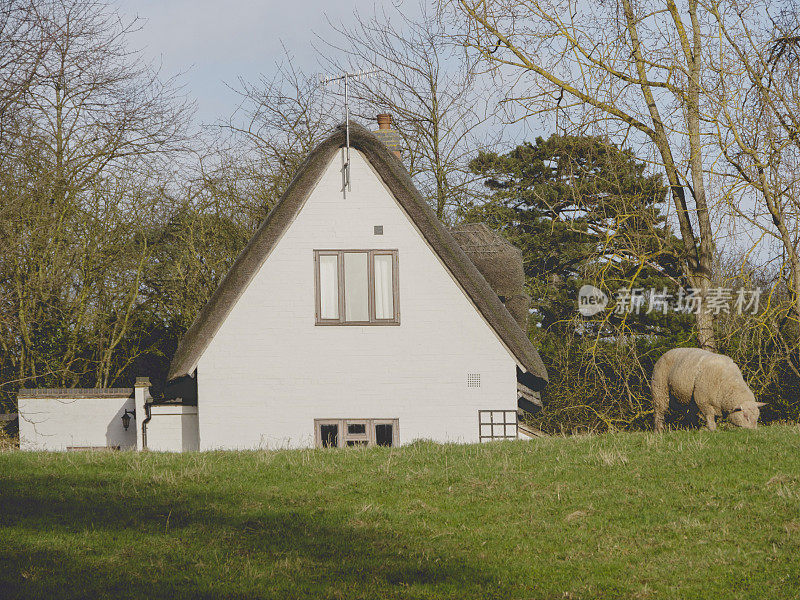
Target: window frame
{"points": [[342, 309], [506, 418]]}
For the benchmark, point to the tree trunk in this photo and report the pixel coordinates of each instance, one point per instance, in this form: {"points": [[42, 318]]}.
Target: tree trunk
{"points": [[699, 259]]}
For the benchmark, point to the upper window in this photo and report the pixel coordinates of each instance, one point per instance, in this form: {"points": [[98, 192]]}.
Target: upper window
{"points": [[356, 287]]}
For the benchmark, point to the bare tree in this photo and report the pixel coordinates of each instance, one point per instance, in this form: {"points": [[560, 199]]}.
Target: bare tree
{"points": [[429, 86], [24, 41], [96, 104], [636, 68], [279, 120], [86, 148], [756, 112]]}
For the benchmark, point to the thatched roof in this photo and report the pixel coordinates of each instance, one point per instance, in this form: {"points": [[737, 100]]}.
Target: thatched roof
{"points": [[500, 262], [396, 178]]}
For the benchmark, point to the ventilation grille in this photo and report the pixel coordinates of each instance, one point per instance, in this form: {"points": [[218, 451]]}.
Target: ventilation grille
{"points": [[378, 229], [473, 380]]}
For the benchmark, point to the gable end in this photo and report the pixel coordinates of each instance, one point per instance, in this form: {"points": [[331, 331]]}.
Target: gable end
{"points": [[396, 178]]}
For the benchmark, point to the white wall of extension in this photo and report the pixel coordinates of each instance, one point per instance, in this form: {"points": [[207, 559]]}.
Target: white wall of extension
{"points": [[61, 423], [172, 428]]}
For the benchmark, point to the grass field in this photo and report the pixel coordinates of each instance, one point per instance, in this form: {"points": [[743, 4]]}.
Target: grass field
{"points": [[682, 515]]}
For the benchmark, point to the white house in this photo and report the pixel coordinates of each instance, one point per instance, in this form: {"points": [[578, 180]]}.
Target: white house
{"points": [[353, 317]]}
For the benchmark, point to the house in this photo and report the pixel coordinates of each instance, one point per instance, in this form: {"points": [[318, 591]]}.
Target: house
{"points": [[353, 317]]}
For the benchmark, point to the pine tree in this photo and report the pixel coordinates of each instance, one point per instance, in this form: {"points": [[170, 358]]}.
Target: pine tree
{"points": [[582, 211]]}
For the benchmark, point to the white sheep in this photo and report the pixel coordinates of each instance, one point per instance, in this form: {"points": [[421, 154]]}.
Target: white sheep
{"points": [[712, 380]]}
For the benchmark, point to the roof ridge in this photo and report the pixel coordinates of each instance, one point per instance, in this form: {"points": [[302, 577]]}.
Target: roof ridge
{"points": [[73, 392]]}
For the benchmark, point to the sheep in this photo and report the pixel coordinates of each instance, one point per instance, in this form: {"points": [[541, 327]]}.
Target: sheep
{"points": [[712, 380]]}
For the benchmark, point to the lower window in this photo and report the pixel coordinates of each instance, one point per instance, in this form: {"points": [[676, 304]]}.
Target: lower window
{"points": [[341, 433], [497, 425]]}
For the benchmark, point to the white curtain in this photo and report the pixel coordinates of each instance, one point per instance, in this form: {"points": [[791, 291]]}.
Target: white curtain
{"points": [[329, 287], [384, 298]]}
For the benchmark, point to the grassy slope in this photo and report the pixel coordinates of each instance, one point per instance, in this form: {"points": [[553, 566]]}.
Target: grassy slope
{"points": [[686, 514]]}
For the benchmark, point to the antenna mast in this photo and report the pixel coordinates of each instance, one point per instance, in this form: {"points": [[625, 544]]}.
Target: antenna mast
{"points": [[346, 77]]}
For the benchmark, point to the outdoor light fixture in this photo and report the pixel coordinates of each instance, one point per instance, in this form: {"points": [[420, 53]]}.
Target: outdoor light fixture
{"points": [[126, 418]]}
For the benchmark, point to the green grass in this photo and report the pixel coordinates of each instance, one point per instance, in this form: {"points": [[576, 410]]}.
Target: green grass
{"points": [[680, 515]]}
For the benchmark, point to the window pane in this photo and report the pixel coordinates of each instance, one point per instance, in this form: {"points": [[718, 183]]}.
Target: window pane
{"points": [[330, 436], [356, 428], [329, 286], [383, 434], [384, 298], [356, 297]]}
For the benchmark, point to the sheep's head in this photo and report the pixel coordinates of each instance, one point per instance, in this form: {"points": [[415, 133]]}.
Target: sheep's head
{"points": [[746, 414]]}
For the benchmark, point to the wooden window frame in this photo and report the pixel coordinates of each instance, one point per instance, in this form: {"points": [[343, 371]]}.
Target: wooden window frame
{"points": [[371, 254], [343, 436], [358, 439], [492, 423]]}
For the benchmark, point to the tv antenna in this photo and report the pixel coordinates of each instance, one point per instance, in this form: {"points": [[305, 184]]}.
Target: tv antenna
{"points": [[346, 77]]}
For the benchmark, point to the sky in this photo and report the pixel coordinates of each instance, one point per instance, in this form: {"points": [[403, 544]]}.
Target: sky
{"points": [[214, 42]]}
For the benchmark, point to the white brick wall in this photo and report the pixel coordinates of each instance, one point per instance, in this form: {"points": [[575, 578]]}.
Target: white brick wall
{"points": [[59, 423], [269, 372]]}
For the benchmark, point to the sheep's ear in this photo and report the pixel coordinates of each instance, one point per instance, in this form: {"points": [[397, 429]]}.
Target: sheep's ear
{"points": [[760, 404]]}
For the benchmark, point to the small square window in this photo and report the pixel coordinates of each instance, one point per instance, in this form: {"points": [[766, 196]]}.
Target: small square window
{"points": [[497, 425]]}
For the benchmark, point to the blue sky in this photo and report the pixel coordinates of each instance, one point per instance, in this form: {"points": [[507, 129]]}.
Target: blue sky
{"points": [[213, 42]]}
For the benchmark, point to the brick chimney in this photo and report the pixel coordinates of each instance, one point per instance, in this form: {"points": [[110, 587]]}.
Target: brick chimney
{"points": [[390, 137]]}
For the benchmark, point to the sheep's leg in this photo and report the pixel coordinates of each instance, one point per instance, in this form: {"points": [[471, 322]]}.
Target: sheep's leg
{"points": [[660, 389], [711, 421]]}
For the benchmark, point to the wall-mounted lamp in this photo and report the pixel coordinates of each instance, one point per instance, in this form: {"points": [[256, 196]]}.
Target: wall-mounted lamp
{"points": [[126, 418]]}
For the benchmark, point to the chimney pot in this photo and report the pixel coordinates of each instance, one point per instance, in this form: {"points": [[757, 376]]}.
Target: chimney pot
{"points": [[390, 137], [384, 121]]}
